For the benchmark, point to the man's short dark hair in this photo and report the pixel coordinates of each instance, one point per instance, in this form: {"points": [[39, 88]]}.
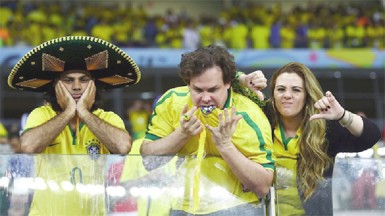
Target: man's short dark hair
{"points": [[196, 62]]}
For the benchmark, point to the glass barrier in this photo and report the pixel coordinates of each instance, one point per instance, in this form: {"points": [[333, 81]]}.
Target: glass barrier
{"points": [[153, 185], [358, 186]]}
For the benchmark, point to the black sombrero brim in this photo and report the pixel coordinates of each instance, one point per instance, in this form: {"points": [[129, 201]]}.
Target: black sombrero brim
{"points": [[110, 66]]}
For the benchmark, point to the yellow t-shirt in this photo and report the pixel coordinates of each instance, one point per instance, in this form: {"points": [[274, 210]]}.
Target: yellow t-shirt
{"points": [[238, 38], [73, 182], [139, 121], [66, 142], [207, 35], [288, 36], [3, 131], [260, 36], [286, 153], [252, 138]]}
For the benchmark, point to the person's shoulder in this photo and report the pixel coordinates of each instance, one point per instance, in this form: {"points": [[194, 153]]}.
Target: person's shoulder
{"points": [[102, 112], [176, 93], [243, 102], [44, 109]]}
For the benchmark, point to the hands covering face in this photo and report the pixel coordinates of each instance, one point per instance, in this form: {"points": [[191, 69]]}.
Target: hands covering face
{"points": [[67, 102]]}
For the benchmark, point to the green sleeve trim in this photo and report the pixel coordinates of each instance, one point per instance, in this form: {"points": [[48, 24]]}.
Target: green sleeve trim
{"points": [[255, 127], [151, 137], [25, 130], [269, 166], [161, 101], [245, 91]]}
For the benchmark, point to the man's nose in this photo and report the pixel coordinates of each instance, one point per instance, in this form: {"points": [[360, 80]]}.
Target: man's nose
{"points": [[76, 85], [206, 97]]}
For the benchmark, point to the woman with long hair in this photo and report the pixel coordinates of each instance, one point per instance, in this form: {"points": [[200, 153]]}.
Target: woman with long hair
{"points": [[309, 129]]}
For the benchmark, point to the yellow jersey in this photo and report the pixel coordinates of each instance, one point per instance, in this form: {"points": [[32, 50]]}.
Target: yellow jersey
{"points": [[252, 138], [286, 152], [71, 183]]}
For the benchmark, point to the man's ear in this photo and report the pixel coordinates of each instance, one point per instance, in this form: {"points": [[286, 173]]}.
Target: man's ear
{"points": [[228, 85]]}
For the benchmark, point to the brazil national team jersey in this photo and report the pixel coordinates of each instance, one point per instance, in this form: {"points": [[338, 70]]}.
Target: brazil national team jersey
{"points": [[67, 142], [286, 152], [252, 138], [71, 168]]}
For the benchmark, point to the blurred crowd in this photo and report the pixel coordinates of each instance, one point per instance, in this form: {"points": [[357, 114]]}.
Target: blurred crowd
{"points": [[248, 25]]}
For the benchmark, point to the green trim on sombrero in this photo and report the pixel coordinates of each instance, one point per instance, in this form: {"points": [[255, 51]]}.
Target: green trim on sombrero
{"points": [[108, 64]]}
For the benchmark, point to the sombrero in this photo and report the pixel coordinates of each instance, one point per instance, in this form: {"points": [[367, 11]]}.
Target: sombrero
{"points": [[110, 66]]}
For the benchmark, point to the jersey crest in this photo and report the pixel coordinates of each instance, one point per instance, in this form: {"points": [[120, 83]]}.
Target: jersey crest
{"points": [[93, 148]]}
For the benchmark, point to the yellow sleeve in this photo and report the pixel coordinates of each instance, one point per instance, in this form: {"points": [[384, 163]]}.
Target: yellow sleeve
{"points": [[39, 116], [114, 120], [3, 131]]}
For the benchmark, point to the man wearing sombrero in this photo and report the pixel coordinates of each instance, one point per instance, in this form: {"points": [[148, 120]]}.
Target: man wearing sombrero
{"points": [[71, 71]]}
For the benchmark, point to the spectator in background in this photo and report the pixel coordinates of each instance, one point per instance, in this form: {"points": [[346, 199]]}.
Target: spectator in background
{"points": [[19, 22], [138, 115], [238, 34], [316, 35], [287, 35], [300, 16], [3, 134], [275, 34], [207, 31], [150, 30], [5, 148], [334, 36], [191, 38], [260, 34]]}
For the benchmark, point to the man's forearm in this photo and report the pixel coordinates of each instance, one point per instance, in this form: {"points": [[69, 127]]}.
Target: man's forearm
{"points": [[252, 175], [37, 139], [169, 145]]}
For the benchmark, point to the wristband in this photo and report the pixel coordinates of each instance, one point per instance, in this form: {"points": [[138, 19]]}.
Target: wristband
{"points": [[343, 115], [350, 120]]}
